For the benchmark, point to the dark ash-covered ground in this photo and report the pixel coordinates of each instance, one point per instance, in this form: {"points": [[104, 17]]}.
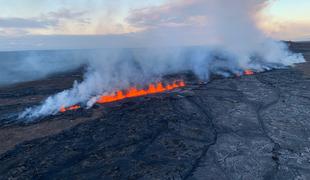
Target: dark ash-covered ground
{"points": [[250, 127]]}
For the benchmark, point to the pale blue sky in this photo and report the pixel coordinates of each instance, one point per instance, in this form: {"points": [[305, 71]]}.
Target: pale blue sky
{"points": [[291, 9]]}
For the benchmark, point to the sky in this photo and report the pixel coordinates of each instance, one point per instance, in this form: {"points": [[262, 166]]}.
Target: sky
{"points": [[289, 19], [50, 24]]}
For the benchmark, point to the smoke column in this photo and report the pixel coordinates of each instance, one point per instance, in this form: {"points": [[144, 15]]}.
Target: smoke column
{"points": [[227, 38]]}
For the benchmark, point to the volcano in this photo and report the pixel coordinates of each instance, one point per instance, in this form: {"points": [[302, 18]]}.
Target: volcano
{"points": [[244, 127]]}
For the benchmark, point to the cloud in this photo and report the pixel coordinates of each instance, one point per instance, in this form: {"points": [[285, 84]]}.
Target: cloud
{"points": [[67, 14], [176, 23], [200, 22], [174, 14], [201, 15], [25, 23], [50, 20], [290, 30], [188, 12]]}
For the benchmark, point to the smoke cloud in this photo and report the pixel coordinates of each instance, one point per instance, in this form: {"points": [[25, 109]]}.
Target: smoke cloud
{"points": [[202, 36]]}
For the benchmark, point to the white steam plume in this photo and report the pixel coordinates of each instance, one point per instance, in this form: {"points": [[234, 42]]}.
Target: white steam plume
{"points": [[227, 32]]}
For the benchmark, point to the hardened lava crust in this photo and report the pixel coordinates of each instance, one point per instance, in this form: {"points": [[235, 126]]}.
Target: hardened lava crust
{"points": [[248, 127]]}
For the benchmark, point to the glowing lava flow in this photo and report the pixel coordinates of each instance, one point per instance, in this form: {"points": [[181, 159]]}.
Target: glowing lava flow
{"points": [[63, 109], [131, 92], [134, 92], [248, 72]]}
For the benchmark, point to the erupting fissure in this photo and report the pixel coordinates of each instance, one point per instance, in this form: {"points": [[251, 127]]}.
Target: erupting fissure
{"points": [[132, 92]]}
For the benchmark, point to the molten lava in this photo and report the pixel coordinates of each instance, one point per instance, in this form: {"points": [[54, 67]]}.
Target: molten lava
{"points": [[248, 72], [63, 109], [132, 92]]}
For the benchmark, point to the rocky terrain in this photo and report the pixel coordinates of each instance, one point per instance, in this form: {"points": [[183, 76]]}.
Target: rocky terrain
{"points": [[248, 127]]}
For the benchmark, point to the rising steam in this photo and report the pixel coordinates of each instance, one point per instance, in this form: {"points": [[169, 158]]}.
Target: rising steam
{"points": [[225, 33]]}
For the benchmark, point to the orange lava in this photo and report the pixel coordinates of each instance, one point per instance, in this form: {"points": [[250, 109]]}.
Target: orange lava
{"points": [[63, 109], [248, 72], [134, 92], [131, 92]]}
